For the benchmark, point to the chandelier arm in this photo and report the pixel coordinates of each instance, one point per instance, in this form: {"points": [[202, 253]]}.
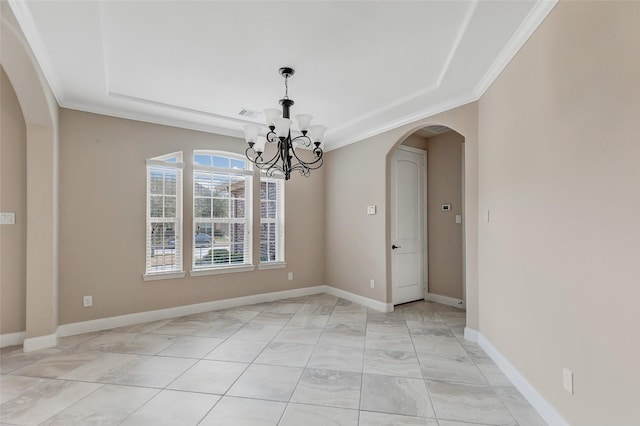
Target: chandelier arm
{"points": [[271, 160], [303, 139], [271, 136], [300, 161]]}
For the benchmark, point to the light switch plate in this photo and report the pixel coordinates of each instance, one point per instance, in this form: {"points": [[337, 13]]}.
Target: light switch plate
{"points": [[458, 218], [567, 380], [7, 218], [371, 209]]}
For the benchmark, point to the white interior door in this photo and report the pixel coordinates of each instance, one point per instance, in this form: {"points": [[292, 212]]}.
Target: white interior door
{"points": [[407, 224]]}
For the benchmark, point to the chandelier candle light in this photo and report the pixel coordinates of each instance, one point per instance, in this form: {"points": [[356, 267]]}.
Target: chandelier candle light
{"points": [[286, 158]]}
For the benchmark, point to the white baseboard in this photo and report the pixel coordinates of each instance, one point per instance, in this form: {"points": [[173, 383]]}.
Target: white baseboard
{"points": [[41, 342], [445, 300], [178, 311], [365, 301], [471, 335], [541, 405], [12, 339]]}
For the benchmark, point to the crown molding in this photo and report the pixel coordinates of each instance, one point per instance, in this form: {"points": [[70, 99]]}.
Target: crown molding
{"points": [[535, 17]]}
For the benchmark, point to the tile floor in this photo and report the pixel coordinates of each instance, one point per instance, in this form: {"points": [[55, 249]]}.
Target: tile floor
{"points": [[316, 360]]}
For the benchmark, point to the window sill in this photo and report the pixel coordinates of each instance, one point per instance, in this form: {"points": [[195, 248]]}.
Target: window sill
{"points": [[222, 270], [163, 276], [272, 265]]}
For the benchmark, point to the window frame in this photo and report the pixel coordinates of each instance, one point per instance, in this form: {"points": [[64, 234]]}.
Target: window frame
{"points": [[247, 173], [164, 162], [279, 221]]}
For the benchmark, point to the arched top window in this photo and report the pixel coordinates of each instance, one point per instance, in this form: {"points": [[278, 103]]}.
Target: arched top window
{"points": [[221, 210]]}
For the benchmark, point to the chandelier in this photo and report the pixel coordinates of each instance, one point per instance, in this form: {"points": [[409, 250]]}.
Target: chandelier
{"points": [[286, 159]]}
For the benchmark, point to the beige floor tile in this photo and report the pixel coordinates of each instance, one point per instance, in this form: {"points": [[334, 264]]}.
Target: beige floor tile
{"points": [[396, 395], [269, 382], [154, 372], [329, 388], [173, 408], [109, 405], [133, 343], [209, 377], [191, 347], [42, 402], [244, 411], [468, 403], [293, 334], [56, 365], [13, 386], [369, 418], [315, 415], [237, 350], [331, 357], [286, 354], [392, 363]]}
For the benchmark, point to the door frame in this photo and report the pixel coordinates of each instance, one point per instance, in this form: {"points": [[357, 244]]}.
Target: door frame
{"points": [[423, 219]]}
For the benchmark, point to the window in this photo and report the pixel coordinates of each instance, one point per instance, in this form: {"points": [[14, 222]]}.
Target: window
{"points": [[221, 210], [164, 214], [271, 219]]}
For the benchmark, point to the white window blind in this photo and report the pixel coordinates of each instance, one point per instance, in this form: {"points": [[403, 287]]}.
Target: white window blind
{"points": [[164, 214], [271, 219], [221, 210]]}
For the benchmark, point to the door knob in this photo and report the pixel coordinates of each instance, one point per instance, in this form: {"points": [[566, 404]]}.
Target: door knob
{"points": [[395, 246]]}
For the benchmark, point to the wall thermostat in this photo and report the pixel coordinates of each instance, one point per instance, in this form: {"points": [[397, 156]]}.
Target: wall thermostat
{"points": [[446, 207]]}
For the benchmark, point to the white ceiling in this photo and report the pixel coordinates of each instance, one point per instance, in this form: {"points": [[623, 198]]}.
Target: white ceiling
{"points": [[361, 67]]}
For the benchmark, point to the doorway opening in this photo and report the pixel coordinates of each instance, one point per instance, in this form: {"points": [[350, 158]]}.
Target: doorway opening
{"points": [[427, 218]]}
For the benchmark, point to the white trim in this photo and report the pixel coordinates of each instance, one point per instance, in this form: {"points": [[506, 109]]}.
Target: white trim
{"points": [[536, 15], [445, 300], [471, 335], [222, 270], [272, 265], [41, 342], [356, 298], [408, 148], [541, 405], [164, 276], [36, 45], [447, 105], [178, 311], [198, 167], [160, 163], [12, 339]]}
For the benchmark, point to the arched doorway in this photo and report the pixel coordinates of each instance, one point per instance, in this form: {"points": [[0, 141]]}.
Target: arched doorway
{"points": [[40, 111], [426, 215]]}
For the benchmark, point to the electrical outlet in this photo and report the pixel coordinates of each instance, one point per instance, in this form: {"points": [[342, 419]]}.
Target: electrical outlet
{"points": [[372, 283], [87, 301], [290, 276], [567, 380]]}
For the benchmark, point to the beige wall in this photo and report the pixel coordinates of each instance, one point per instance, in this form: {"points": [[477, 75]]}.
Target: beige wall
{"points": [[444, 235], [102, 221], [560, 174], [357, 175], [13, 198]]}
